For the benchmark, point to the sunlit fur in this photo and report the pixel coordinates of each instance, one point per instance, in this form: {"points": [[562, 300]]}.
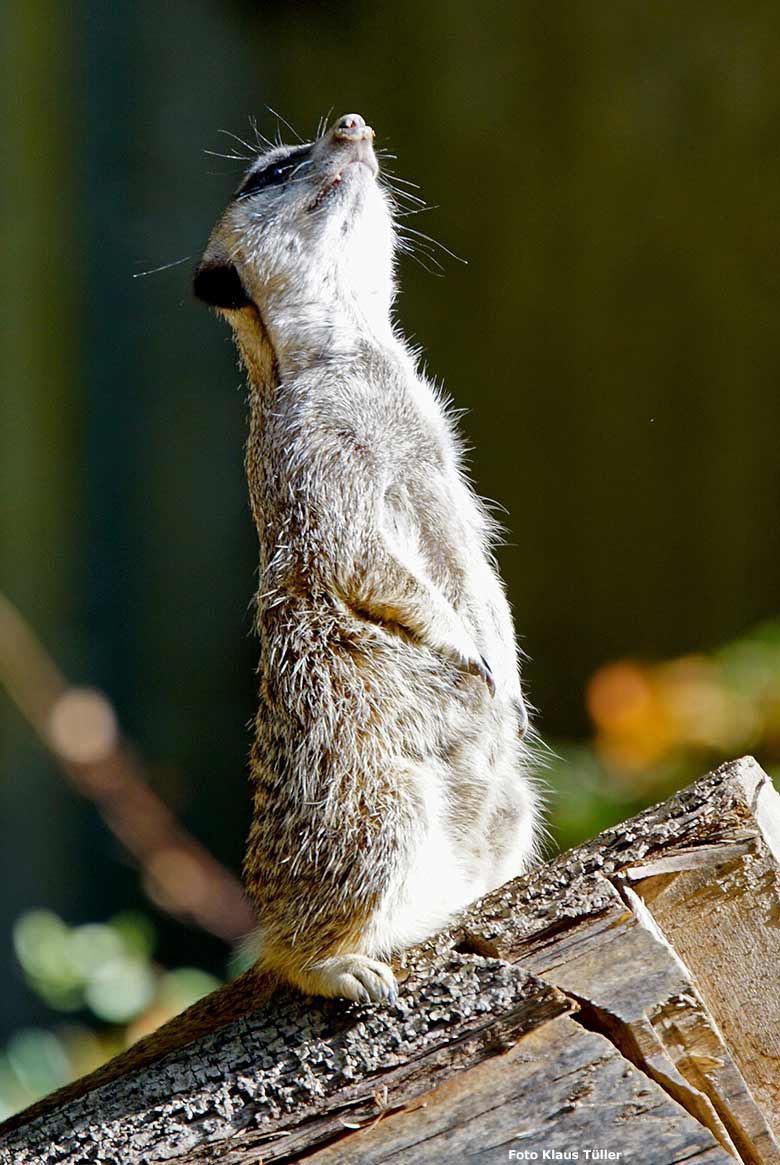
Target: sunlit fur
{"points": [[390, 783]]}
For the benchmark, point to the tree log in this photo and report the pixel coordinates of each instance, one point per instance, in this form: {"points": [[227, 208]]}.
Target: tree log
{"points": [[618, 1003]]}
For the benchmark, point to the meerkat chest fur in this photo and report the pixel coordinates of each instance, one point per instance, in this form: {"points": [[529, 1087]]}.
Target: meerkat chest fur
{"points": [[373, 418], [390, 775]]}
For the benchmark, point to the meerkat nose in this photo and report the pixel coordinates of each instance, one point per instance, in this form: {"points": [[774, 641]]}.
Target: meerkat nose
{"points": [[352, 128], [351, 121]]}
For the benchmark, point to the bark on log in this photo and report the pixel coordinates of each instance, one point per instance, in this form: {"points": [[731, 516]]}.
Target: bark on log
{"points": [[619, 1003]]}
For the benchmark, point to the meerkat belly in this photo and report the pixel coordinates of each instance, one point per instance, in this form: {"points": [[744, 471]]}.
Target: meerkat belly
{"points": [[472, 834], [436, 881]]}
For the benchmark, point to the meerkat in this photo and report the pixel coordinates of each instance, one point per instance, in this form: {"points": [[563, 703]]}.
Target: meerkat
{"points": [[391, 780]]}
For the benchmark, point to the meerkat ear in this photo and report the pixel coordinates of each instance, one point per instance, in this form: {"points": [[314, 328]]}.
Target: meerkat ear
{"points": [[217, 283]]}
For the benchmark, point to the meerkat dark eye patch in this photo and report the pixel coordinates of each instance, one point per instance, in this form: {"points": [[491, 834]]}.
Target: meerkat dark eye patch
{"points": [[219, 285], [274, 173]]}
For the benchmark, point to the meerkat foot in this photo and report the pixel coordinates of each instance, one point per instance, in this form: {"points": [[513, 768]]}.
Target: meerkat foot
{"points": [[351, 977]]}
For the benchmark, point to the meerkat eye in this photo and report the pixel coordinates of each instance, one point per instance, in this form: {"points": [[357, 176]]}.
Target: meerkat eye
{"points": [[273, 174]]}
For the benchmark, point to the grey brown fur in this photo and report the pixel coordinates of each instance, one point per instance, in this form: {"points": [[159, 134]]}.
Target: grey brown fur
{"points": [[390, 777]]}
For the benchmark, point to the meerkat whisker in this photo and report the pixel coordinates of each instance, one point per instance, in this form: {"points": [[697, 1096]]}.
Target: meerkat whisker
{"points": [[403, 194], [323, 122], [163, 267], [230, 157], [398, 193], [413, 254], [229, 134], [262, 142], [434, 242], [414, 210], [284, 122], [403, 181]]}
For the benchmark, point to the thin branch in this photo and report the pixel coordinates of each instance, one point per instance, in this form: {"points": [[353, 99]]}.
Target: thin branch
{"points": [[80, 729]]}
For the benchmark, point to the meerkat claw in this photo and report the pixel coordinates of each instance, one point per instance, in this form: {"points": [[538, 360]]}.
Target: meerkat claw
{"points": [[480, 667], [487, 675]]}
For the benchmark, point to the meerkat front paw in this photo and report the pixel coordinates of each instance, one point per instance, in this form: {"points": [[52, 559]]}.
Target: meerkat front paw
{"points": [[457, 643], [477, 665], [351, 977], [481, 667]]}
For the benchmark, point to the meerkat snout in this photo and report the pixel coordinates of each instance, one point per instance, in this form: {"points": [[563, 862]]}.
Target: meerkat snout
{"points": [[309, 224], [351, 123]]}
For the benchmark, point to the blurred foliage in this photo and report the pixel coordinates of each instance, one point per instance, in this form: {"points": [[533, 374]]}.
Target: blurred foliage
{"points": [[103, 975], [658, 726]]}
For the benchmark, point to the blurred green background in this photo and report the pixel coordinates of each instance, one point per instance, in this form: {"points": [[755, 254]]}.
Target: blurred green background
{"points": [[611, 173]]}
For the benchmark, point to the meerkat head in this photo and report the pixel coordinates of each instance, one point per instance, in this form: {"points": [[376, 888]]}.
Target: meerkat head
{"points": [[309, 232]]}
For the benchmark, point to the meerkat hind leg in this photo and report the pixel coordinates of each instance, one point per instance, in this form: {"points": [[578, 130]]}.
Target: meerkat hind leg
{"points": [[349, 977]]}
